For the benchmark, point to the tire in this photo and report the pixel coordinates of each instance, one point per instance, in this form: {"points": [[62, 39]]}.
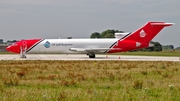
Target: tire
{"points": [[92, 56]]}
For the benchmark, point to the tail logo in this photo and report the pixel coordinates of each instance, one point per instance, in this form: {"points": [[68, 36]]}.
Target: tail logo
{"points": [[138, 44], [142, 34], [47, 44]]}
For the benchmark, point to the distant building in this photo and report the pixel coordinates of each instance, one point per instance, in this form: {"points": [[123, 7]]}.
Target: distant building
{"points": [[3, 45], [3, 48]]}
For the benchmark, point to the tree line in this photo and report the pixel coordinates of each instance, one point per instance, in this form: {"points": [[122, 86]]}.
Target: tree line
{"points": [[105, 34], [8, 41]]}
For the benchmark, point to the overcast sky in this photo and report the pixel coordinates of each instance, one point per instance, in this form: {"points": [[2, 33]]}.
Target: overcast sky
{"points": [[24, 19]]}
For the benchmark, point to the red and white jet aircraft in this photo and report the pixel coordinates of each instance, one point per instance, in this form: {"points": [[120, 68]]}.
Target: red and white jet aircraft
{"points": [[136, 40]]}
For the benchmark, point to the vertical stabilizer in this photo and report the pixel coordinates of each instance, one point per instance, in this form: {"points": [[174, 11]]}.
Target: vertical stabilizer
{"points": [[147, 32]]}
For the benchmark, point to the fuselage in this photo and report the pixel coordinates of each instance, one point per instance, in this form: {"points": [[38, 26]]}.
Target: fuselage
{"points": [[69, 46], [64, 45]]}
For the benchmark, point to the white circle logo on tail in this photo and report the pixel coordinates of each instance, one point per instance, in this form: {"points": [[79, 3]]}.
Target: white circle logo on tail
{"points": [[142, 34]]}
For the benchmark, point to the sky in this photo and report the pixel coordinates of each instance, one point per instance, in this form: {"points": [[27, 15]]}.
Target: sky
{"points": [[26, 19]]}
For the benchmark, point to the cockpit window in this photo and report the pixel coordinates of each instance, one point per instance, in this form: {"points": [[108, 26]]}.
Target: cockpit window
{"points": [[14, 44]]}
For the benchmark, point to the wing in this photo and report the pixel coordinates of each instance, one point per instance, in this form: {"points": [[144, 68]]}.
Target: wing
{"points": [[92, 50]]}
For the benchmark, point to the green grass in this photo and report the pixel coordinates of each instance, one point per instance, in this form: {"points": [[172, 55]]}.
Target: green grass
{"points": [[89, 80], [141, 53], [6, 53]]}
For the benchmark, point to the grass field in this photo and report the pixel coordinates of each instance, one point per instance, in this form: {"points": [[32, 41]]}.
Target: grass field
{"points": [[6, 53], [89, 81], [141, 53]]}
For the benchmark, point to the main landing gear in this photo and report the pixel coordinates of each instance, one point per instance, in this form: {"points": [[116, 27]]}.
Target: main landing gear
{"points": [[91, 55]]}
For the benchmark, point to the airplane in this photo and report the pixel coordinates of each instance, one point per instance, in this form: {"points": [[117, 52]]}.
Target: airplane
{"points": [[138, 39]]}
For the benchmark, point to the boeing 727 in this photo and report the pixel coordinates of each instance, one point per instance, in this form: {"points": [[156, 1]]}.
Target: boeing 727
{"points": [[130, 41]]}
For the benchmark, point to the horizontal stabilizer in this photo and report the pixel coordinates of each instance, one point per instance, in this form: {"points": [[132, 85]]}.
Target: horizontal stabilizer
{"points": [[161, 24]]}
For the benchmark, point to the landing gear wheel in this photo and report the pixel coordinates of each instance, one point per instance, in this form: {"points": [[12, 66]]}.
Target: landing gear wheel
{"points": [[23, 56], [23, 49], [92, 56]]}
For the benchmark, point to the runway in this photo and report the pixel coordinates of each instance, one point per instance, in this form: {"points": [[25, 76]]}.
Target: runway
{"points": [[85, 57]]}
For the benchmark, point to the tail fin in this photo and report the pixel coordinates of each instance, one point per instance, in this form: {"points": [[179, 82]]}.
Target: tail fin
{"points": [[147, 32]]}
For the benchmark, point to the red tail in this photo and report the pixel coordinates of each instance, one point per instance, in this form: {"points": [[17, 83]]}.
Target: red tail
{"points": [[147, 32], [140, 38]]}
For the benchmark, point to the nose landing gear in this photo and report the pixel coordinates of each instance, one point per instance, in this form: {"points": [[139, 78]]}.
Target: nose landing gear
{"points": [[23, 49]]}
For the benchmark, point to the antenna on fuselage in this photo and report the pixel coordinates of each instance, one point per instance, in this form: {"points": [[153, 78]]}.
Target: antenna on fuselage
{"points": [[69, 37]]}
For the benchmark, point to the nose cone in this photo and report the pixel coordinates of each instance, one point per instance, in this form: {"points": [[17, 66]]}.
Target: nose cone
{"points": [[23, 45], [8, 48], [13, 48]]}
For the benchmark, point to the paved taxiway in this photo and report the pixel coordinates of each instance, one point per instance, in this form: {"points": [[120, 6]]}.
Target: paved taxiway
{"points": [[84, 57]]}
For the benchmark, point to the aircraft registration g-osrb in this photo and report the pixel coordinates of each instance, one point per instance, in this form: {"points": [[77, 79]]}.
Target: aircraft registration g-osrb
{"points": [[138, 39]]}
